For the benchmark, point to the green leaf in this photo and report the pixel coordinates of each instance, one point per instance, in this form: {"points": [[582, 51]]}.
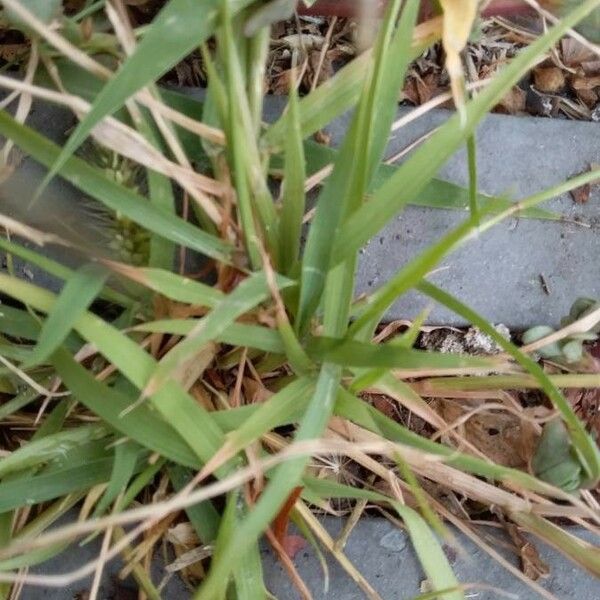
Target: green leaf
{"points": [[180, 27], [431, 555], [174, 286], [236, 334], [284, 407], [203, 516], [292, 208], [427, 547], [126, 455], [79, 469], [351, 353], [44, 10], [353, 170], [332, 98], [283, 480], [142, 425], [350, 407], [74, 300], [436, 193], [49, 447], [57, 269]]}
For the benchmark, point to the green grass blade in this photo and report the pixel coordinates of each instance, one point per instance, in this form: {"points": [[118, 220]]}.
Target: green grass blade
{"points": [[333, 98], [579, 551], [114, 196], [585, 446], [437, 193], [49, 447], [246, 296], [428, 549], [176, 406], [351, 353], [430, 553], [284, 407], [361, 151], [90, 466], [236, 334], [126, 454], [412, 176], [292, 207], [74, 300], [472, 160], [174, 286], [142, 425], [350, 407], [283, 480], [180, 27], [57, 269], [160, 194], [203, 516]]}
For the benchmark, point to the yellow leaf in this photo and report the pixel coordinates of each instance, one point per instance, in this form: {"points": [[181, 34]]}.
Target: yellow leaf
{"points": [[459, 16]]}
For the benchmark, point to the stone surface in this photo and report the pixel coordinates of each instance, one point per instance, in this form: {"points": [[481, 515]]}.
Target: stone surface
{"points": [[382, 553], [499, 274], [385, 557]]}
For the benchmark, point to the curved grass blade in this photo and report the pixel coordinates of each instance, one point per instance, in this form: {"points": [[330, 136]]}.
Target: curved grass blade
{"points": [[284, 407], [431, 555], [142, 425], [579, 551], [426, 545], [74, 300]]}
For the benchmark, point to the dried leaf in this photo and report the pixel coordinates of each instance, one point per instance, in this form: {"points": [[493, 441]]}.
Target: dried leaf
{"points": [[574, 53], [549, 79], [514, 102], [531, 563], [459, 16], [497, 434]]}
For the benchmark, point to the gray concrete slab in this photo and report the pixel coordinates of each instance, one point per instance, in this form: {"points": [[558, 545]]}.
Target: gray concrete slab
{"points": [[499, 274], [385, 557], [383, 554]]}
